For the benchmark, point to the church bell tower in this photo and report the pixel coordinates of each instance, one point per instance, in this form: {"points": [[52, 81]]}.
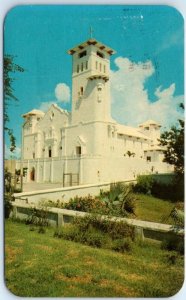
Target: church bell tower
{"points": [[90, 81]]}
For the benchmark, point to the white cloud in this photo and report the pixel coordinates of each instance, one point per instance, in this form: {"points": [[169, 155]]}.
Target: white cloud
{"points": [[175, 38], [44, 106], [130, 101], [12, 155], [62, 92]]}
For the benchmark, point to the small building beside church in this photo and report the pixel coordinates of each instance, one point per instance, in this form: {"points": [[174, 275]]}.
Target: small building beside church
{"points": [[86, 145]]}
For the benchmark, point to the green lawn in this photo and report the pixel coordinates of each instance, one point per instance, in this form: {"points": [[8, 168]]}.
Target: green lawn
{"points": [[39, 265], [149, 208]]}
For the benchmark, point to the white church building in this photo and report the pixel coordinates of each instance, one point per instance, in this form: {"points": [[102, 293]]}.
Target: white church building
{"points": [[86, 145]]}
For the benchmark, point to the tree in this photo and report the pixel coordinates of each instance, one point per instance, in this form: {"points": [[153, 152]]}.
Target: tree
{"points": [[9, 67], [173, 140], [129, 153]]}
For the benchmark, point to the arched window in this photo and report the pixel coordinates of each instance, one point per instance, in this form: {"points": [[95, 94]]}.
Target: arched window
{"points": [[78, 150], [49, 151]]}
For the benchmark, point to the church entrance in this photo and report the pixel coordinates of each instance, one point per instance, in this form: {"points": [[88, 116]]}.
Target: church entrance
{"points": [[32, 174]]}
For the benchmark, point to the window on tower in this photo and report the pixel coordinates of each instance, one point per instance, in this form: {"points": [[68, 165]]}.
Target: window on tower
{"points": [[86, 66], [82, 67], [81, 90], [82, 54], [77, 68], [96, 65], [104, 68]]}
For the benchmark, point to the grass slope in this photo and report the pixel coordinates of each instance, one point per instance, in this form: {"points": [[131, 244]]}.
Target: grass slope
{"points": [[39, 265], [149, 208]]}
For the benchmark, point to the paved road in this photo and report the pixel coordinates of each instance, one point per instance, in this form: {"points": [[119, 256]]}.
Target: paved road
{"points": [[34, 186]]}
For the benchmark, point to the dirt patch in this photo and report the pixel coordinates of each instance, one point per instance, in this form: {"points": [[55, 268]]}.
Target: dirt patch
{"points": [[133, 277], [74, 279], [89, 261], [30, 263], [72, 253], [12, 253], [20, 241], [120, 290], [155, 266], [45, 248]]}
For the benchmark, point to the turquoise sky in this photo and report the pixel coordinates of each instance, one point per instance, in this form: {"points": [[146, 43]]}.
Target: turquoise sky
{"points": [[39, 37]]}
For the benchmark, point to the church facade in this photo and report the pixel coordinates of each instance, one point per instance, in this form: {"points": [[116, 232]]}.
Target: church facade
{"points": [[86, 145]]}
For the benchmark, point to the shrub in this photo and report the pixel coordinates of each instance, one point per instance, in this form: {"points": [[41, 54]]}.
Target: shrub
{"points": [[37, 217], [114, 229], [96, 238], [41, 230], [7, 205], [174, 243], [96, 232], [130, 205], [87, 204], [89, 237], [123, 245], [120, 200], [173, 191], [144, 184]]}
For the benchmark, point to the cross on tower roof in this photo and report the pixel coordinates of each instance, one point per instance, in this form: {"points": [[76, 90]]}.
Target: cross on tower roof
{"points": [[91, 32]]}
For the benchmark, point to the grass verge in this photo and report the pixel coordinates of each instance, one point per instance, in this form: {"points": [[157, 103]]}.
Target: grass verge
{"points": [[39, 265], [149, 208]]}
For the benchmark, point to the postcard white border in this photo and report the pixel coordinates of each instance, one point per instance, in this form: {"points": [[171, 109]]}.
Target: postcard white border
{"points": [[5, 6]]}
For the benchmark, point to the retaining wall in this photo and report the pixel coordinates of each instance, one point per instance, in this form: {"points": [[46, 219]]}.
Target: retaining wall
{"points": [[64, 193], [60, 217]]}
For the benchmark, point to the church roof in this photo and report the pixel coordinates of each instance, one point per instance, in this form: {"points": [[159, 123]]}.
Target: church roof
{"points": [[34, 112], [131, 131], [149, 122], [89, 42]]}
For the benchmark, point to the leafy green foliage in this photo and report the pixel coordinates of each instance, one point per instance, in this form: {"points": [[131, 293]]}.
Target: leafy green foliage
{"points": [[38, 217], [144, 184], [115, 229], [178, 216], [130, 154], [173, 191], [173, 140], [123, 245], [174, 243], [87, 204], [9, 67], [119, 201], [97, 232], [8, 205]]}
